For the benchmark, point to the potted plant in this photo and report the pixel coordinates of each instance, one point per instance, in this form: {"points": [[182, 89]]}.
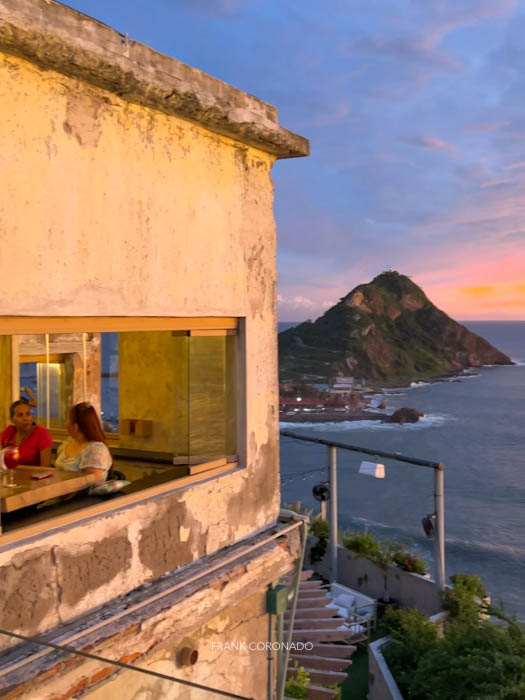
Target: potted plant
{"points": [[319, 528], [380, 553], [383, 558], [408, 561]]}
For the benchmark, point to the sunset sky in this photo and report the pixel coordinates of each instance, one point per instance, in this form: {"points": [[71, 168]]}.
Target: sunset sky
{"points": [[415, 111]]}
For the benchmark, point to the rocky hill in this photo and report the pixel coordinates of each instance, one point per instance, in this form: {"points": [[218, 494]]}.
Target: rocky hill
{"points": [[386, 331]]}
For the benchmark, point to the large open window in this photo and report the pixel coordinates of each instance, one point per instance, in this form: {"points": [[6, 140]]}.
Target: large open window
{"points": [[165, 389]]}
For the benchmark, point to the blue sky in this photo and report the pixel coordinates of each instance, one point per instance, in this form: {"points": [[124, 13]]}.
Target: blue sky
{"points": [[416, 118]]}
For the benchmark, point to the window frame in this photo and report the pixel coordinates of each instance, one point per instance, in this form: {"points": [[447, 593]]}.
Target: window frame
{"points": [[192, 325]]}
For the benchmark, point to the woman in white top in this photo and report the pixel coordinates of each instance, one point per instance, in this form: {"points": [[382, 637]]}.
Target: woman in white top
{"points": [[86, 449]]}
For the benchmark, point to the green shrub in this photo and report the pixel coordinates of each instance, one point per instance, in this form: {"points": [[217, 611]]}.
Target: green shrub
{"points": [[412, 636], [474, 660], [366, 545], [320, 528], [407, 561], [469, 583], [471, 661], [332, 686], [384, 553], [296, 686], [464, 601]]}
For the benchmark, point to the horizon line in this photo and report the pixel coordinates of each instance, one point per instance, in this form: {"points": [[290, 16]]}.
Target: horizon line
{"points": [[457, 320]]}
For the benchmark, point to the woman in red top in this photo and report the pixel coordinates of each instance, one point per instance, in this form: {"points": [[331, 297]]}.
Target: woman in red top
{"points": [[34, 442]]}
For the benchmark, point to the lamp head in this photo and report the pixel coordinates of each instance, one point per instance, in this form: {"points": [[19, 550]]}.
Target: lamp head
{"points": [[321, 492], [428, 524], [372, 469]]}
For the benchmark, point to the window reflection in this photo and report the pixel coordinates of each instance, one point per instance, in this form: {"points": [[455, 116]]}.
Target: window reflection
{"points": [[211, 391], [170, 394]]}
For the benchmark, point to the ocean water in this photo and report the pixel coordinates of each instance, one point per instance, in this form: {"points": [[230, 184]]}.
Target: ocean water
{"points": [[475, 425]]}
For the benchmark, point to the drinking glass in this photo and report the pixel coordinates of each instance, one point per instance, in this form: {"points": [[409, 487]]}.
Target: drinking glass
{"points": [[11, 461]]}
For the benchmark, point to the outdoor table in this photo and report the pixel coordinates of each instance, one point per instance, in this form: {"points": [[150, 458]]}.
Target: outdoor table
{"points": [[31, 491]]}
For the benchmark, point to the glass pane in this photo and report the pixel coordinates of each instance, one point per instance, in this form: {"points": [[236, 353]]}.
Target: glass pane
{"points": [[167, 401], [55, 415], [212, 397], [71, 375], [153, 393], [29, 381], [109, 400]]}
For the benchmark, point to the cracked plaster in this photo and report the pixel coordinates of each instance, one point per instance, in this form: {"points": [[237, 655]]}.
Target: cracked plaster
{"points": [[115, 174], [229, 608], [58, 38]]}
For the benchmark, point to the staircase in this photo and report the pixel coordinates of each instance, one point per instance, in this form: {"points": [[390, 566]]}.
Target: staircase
{"points": [[321, 626]]}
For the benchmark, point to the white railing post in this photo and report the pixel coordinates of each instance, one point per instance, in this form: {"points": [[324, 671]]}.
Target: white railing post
{"points": [[333, 513], [439, 535]]}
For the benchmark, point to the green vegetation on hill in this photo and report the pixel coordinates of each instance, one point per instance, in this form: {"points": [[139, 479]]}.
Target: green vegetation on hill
{"points": [[384, 331]]}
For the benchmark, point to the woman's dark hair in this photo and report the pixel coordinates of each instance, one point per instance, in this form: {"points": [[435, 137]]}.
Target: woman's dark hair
{"points": [[85, 416], [12, 407]]}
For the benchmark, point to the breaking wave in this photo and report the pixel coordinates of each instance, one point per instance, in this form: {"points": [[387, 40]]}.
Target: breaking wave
{"points": [[432, 420]]}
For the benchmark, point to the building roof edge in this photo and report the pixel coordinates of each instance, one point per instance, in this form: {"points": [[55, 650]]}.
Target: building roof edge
{"points": [[57, 37]]}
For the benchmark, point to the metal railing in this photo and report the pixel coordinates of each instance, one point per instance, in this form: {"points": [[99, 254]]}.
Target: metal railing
{"points": [[439, 496]]}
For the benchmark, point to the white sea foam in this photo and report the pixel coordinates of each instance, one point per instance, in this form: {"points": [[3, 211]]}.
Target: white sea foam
{"points": [[434, 420], [335, 426], [373, 523], [416, 385]]}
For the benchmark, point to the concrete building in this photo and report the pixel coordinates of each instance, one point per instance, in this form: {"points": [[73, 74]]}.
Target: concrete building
{"points": [[138, 271]]}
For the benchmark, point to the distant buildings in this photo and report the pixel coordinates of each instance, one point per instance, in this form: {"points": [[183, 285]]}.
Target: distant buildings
{"points": [[312, 404]]}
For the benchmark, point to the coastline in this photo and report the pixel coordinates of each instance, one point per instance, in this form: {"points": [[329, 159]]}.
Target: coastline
{"points": [[331, 416], [361, 413]]}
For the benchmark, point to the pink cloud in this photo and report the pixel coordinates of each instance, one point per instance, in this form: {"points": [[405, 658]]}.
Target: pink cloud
{"points": [[486, 127], [514, 166], [429, 142]]}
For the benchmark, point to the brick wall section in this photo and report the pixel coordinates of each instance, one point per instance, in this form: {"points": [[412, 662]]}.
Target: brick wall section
{"points": [[229, 607]]}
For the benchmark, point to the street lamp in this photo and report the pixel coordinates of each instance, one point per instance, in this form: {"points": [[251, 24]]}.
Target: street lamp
{"points": [[434, 524], [436, 520], [368, 469]]}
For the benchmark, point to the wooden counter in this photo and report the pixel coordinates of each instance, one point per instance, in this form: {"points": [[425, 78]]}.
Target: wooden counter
{"points": [[31, 491]]}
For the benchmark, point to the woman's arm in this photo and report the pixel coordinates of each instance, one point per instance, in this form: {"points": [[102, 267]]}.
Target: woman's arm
{"points": [[97, 460], [32, 400], [45, 457], [99, 473]]}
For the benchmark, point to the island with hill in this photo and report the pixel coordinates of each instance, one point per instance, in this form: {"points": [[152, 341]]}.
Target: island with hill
{"points": [[381, 334]]}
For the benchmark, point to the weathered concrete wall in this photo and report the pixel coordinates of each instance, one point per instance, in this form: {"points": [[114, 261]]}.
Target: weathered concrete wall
{"points": [[128, 211], [381, 683], [226, 607], [121, 210], [58, 38], [62, 576], [121, 207], [243, 671]]}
